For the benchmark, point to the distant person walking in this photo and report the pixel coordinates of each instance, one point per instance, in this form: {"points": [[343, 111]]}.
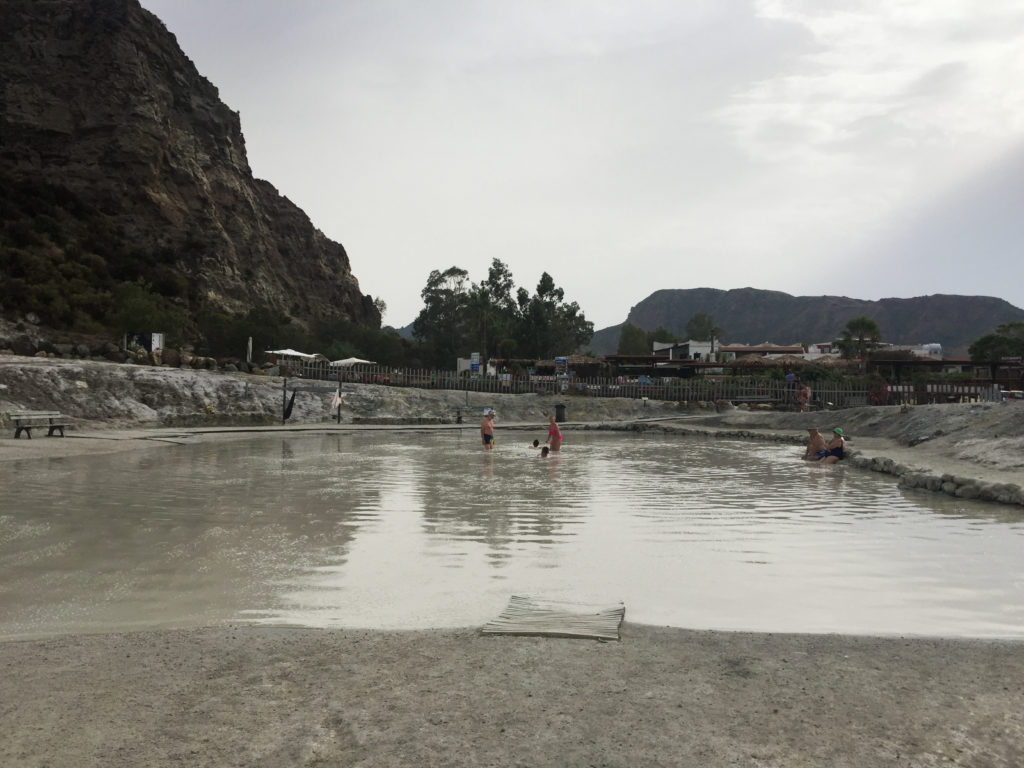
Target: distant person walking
{"points": [[487, 429], [554, 435], [803, 396]]}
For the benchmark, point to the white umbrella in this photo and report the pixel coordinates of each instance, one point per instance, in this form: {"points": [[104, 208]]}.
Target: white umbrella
{"points": [[290, 353], [351, 361]]}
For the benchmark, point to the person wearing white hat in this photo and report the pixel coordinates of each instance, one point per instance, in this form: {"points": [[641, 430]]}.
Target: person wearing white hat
{"points": [[487, 429]]}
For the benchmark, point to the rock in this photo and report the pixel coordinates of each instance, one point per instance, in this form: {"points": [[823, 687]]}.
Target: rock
{"points": [[969, 491], [110, 112], [172, 357], [23, 345]]}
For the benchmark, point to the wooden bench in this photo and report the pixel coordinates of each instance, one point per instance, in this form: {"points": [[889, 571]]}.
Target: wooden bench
{"points": [[25, 421]]}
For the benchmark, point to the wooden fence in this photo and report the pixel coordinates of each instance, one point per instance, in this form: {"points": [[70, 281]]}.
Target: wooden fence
{"points": [[736, 389], [920, 394]]}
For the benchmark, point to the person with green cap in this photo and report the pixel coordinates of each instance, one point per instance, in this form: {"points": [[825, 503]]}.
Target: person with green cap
{"points": [[836, 447]]}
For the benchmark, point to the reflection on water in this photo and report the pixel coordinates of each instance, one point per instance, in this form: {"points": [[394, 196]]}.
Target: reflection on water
{"points": [[426, 530]]}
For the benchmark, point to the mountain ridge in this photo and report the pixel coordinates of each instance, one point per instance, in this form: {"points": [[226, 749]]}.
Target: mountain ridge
{"points": [[752, 315]]}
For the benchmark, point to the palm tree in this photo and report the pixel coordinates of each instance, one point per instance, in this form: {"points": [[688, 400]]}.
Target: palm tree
{"points": [[860, 335]]}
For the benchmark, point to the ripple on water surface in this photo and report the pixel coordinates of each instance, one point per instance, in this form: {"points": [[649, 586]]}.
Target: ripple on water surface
{"points": [[417, 530]]}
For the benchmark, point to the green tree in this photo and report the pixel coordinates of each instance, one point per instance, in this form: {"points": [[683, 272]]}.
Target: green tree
{"points": [[661, 335], [491, 311], [481, 315], [440, 325], [140, 309], [701, 327], [1007, 341], [548, 326], [228, 335], [860, 335], [633, 341], [636, 341], [1012, 330]]}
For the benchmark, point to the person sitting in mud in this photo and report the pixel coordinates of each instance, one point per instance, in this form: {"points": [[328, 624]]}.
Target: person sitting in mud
{"points": [[836, 447], [816, 449], [536, 444], [544, 452]]}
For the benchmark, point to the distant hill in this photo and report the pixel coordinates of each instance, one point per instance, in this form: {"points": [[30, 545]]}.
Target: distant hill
{"points": [[751, 316]]}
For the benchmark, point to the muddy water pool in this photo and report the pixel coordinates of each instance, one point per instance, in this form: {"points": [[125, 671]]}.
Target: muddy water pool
{"points": [[416, 530]]}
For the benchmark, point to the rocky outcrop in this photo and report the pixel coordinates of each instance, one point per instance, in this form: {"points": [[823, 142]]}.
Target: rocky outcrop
{"points": [[101, 105]]}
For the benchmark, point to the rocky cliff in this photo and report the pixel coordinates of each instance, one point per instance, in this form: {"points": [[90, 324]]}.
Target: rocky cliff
{"points": [[119, 161]]}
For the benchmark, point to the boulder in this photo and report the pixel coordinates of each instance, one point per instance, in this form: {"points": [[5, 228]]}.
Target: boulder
{"points": [[23, 345]]}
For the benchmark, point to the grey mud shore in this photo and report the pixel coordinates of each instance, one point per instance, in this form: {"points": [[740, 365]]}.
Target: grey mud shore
{"points": [[661, 697], [246, 696]]}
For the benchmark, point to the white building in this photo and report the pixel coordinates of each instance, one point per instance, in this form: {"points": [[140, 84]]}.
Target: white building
{"points": [[684, 350]]}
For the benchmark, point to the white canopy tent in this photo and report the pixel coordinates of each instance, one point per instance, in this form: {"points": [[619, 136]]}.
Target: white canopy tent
{"points": [[351, 361], [292, 353]]}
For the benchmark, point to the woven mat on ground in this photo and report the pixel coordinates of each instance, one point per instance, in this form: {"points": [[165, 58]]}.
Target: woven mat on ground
{"points": [[531, 616]]}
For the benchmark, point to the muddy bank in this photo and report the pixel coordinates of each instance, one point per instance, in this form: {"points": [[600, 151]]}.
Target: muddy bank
{"points": [[660, 697], [100, 395], [966, 450]]}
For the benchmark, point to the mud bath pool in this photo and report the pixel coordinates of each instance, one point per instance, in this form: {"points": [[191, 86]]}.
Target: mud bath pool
{"points": [[411, 531]]}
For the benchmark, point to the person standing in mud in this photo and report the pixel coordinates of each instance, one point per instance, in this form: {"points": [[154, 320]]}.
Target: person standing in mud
{"points": [[554, 440], [487, 430]]}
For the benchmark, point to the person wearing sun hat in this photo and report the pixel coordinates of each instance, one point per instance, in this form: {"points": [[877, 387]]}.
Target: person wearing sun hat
{"points": [[836, 447], [487, 429]]}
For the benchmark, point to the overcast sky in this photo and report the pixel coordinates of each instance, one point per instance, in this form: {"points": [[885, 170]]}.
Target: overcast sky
{"points": [[869, 148]]}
